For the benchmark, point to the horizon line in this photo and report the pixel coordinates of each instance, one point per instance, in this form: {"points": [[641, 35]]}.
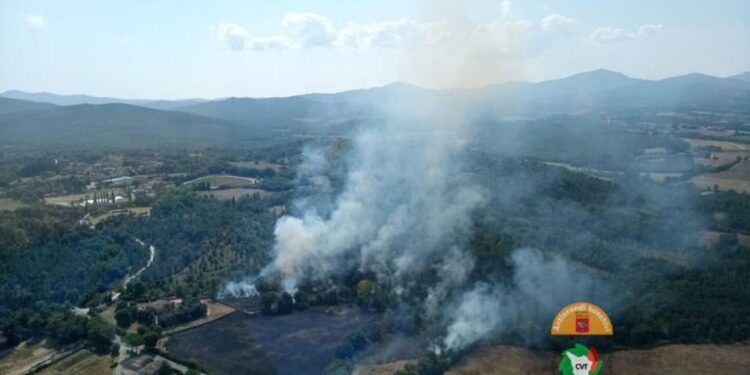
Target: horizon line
{"points": [[448, 89]]}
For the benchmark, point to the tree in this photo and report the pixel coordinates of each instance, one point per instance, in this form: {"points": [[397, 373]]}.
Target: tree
{"points": [[134, 339], [100, 334], [150, 339], [124, 318], [269, 303], [370, 294], [165, 369], [286, 304]]}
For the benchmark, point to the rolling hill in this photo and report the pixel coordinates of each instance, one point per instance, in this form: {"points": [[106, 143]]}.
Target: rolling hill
{"points": [[8, 105], [312, 112], [742, 76], [116, 126], [235, 121]]}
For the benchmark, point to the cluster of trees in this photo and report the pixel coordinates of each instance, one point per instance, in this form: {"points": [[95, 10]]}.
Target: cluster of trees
{"points": [[733, 209], [146, 335], [48, 264], [200, 241], [276, 302], [190, 309], [201, 186], [57, 323], [707, 304], [169, 315]]}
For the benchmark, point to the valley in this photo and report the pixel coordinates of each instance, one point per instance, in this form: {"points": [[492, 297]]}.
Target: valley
{"points": [[259, 240]]}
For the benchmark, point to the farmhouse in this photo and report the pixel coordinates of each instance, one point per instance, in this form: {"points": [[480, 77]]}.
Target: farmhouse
{"points": [[141, 365]]}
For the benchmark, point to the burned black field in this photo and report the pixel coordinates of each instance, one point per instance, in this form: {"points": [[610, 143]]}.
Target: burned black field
{"points": [[300, 343]]}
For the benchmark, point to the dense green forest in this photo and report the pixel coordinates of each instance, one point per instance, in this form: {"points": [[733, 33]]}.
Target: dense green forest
{"points": [[49, 264], [200, 241], [642, 237]]}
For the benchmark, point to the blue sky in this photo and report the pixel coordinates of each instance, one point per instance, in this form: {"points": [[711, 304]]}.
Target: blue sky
{"points": [[211, 49]]}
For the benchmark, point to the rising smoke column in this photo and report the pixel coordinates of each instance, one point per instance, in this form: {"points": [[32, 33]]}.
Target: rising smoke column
{"points": [[540, 287], [403, 203]]}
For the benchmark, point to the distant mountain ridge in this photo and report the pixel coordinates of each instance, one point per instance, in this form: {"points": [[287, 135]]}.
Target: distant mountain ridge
{"points": [[114, 126], [65, 100], [593, 89], [233, 121], [742, 76]]}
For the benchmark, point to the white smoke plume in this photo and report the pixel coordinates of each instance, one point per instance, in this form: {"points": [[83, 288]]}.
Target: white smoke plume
{"points": [[402, 203], [242, 289], [540, 287]]}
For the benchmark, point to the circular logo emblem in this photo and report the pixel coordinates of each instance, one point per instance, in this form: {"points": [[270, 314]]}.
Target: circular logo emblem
{"points": [[580, 360]]}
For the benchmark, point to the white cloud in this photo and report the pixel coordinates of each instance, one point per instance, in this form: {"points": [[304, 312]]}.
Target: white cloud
{"points": [[404, 33], [507, 37], [609, 34], [35, 22], [556, 21], [236, 38], [307, 30], [503, 37], [650, 29]]}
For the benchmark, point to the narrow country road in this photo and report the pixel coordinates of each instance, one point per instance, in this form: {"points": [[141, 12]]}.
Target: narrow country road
{"points": [[129, 278]]}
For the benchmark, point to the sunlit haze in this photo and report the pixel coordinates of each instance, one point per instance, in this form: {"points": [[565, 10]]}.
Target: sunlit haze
{"points": [[184, 49]]}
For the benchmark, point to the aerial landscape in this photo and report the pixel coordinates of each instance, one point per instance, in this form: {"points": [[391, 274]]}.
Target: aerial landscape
{"points": [[407, 188]]}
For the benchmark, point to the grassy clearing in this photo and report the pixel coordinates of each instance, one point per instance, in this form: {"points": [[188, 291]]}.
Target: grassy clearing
{"points": [[724, 145], [83, 362], [736, 178], [109, 315], [138, 211], [506, 360], [655, 151], [24, 357], [660, 177], [681, 359], [256, 165], [666, 360], [65, 200], [384, 369], [236, 193], [730, 152], [10, 204], [218, 180], [215, 311]]}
